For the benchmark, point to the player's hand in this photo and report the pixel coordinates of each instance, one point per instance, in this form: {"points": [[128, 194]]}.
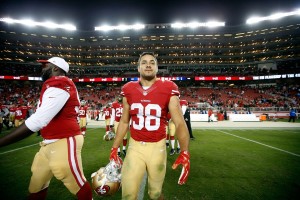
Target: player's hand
{"points": [[184, 160], [114, 156]]}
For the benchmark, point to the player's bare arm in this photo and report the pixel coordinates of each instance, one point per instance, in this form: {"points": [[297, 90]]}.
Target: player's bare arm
{"points": [[18, 134], [181, 128]]}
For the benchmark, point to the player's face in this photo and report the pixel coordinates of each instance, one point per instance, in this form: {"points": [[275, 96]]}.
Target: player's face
{"points": [[46, 71], [148, 67]]}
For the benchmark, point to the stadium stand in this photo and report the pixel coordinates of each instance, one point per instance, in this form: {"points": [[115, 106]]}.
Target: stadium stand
{"points": [[268, 53]]}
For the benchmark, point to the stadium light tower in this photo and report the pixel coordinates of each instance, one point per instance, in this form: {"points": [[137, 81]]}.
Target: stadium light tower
{"points": [[31, 23], [197, 24], [275, 16], [121, 27]]}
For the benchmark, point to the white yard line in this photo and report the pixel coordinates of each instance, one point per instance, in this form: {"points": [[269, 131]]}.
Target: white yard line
{"points": [[288, 152], [17, 149]]}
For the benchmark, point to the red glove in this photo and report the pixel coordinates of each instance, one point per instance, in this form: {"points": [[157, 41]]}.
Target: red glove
{"points": [[114, 156], [184, 160]]}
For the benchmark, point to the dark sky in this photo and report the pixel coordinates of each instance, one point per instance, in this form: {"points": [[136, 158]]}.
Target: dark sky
{"points": [[87, 14]]}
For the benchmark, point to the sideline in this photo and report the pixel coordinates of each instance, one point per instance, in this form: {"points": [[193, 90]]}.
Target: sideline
{"points": [[291, 153]]}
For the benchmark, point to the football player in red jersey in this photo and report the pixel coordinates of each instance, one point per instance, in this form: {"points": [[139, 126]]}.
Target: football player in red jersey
{"points": [[82, 116], [4, 117], [12, 114], [57, 118], [20, 114], [116, 113], [146, 104], [107, 114]]}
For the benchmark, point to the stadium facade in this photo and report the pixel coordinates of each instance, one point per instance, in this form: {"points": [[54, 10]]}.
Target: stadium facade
{"points": [[262, 49]]}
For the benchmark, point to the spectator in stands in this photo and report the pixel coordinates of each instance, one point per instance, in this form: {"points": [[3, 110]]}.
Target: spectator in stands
{"points": [[292, 115], [56, 117]]}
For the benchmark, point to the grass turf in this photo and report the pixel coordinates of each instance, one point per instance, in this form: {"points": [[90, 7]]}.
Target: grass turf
{"points": [[225, 164]]}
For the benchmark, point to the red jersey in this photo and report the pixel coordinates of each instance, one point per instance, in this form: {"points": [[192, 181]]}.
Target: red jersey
{"points": [[65, 123], [107, 112], [149, 109], [117, 108], [183, 102], [13, 109], [83, 111], [210, 112], [21, 112]]}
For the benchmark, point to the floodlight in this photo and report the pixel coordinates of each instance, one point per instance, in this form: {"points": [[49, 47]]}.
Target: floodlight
{"points": [[31, 23], [274, 16]]}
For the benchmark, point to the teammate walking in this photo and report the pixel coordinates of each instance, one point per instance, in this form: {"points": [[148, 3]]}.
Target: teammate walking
{"points": [[116, 113], [56, 117]]}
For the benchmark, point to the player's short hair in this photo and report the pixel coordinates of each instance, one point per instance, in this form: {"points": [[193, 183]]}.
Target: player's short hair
{"points": [[147, 53]]}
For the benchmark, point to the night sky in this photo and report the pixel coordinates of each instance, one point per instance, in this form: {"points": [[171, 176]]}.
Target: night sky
{"points": [[85, 15]]}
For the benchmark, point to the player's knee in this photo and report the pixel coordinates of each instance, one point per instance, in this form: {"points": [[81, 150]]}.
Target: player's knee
{"points": [[155, 194]]}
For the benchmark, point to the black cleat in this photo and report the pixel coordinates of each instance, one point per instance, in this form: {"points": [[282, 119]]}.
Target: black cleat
{"points": [[119, 154], [177, 150], [124, 152], [172, 152]]}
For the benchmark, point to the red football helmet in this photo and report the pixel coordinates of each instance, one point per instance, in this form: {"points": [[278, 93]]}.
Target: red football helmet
{"points": [[107, 180]]}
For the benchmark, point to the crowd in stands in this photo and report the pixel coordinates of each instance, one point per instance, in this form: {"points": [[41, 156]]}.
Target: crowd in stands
{"points": [[17, 69], [219, 97]]}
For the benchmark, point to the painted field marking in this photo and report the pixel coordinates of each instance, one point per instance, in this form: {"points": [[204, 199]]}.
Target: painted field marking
{"points": [[17, 149], [288, 152]]}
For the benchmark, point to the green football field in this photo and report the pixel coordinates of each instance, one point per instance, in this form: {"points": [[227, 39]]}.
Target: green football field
{"points": [[225, 164]]}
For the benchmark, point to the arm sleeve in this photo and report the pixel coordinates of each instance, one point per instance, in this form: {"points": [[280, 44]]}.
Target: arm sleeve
{"points": [[52, 102]]}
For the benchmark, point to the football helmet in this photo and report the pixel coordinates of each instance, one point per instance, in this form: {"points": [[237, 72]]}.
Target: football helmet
{"points": [[82, 102], [107, 180], [109, 135], [120, 99]]}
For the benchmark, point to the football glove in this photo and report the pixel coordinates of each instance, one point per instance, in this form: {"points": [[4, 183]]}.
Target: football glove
{"points": [[114, 156], [184, 160]]}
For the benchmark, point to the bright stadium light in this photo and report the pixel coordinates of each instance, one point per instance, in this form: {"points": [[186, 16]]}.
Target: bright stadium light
{"points": [[28, 22], [275, 16], [197, 24], [121, 27], [214, 24], [50, 25], [31, 23], [178, 25]]}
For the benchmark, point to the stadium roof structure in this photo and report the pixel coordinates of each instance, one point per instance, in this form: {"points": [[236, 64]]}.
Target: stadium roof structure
{"points": [[193, 51]]}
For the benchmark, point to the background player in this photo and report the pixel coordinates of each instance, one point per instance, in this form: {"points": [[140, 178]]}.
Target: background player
{"points": [[83, 116], [116, 113], [106, 112], [21, 113], [146, 104]]}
